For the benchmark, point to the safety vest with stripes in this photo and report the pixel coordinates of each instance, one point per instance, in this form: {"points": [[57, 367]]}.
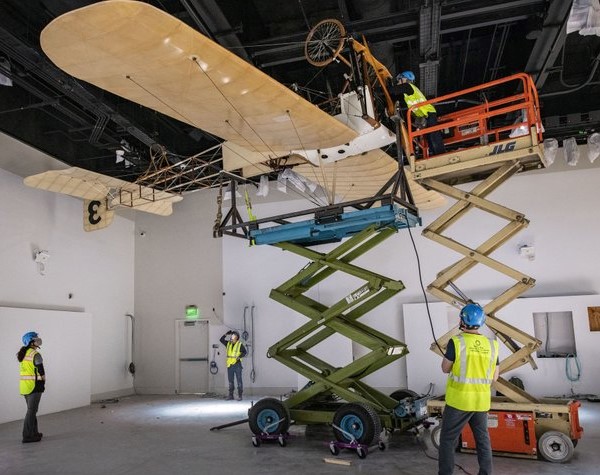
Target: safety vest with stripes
{"points": [[468, 386], [234, 351], [416, 97], [29, 373]]}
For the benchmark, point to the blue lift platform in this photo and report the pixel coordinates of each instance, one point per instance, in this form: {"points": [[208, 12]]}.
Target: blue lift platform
{"points": [[333, 227]]}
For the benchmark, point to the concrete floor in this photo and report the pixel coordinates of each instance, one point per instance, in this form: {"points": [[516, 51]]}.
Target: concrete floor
{"points": [[170, 434]]}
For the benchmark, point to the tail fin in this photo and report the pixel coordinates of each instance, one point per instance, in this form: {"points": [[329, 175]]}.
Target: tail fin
{"points": [[96, 215]]}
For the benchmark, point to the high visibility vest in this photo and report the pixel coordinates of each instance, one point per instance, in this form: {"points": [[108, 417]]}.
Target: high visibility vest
{"points": [[29, 373], [468, 386], [234, 351], [416, 97]]}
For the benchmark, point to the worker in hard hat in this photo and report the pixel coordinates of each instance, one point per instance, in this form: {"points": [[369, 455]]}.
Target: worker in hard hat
{"points": [[32, 383], [235, 352], [471, 361], [423, 116]]}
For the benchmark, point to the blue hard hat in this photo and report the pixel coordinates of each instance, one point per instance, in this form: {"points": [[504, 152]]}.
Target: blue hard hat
{"points": [[28, 337], [472, 315], [406, 75]]}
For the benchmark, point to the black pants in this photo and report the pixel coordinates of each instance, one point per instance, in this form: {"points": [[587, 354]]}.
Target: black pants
{"points": [[453, 422], [235, 370], [30, 426], [434, 139]]}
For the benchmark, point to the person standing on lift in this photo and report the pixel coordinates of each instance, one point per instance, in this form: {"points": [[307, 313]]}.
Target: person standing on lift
{"points": [[424, 116]]}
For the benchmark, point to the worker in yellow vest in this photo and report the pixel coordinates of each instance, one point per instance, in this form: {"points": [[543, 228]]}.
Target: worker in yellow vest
{"points": [[471, 361], [32, 383], [235, 352], [427, 115]]}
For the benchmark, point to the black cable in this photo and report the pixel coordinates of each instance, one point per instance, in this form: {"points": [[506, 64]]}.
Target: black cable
{"points": [[245, 332], [424, 449], [214, 368], [422, 287], [252, 371], [547, 336], [432, 332]]}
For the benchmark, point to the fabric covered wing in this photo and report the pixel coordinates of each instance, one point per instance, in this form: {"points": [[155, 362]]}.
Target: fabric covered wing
{"points": [[141, 53], [94, 186], [362, 176]]}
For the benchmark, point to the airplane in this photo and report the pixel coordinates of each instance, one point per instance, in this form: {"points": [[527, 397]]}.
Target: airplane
{"points": [[134, 50]]}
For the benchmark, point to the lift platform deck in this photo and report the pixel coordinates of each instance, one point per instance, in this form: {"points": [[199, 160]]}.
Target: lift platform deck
{"points": [[476, 138], [335, 225]]}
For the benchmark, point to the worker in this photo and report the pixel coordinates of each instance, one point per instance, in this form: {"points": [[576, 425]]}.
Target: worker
{"points": [[424, 116], [471, 362], [32, 383], [235, 352]]}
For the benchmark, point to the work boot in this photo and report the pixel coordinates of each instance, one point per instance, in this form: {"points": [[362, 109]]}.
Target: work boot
{"points": [[35, 438], [239, 398], [230, 397]]}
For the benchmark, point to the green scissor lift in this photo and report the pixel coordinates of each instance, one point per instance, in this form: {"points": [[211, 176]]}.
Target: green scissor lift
{"points": [[337, 395]]}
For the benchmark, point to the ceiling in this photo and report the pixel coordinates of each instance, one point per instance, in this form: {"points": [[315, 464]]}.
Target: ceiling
{"points": [[451, 45]]}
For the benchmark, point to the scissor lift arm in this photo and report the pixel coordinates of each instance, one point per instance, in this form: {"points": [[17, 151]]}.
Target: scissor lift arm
{"points": [[494, 158]]}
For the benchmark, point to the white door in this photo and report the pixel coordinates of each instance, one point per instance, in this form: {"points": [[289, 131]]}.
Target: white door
{"points": [[192, 356]]}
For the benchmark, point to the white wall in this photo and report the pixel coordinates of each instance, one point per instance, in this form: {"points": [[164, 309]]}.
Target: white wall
{"points": [[95, 268], [177, 263], [65, 388], [550, 379]]}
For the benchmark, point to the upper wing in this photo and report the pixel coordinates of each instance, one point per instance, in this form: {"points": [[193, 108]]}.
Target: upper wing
{"points": [[363, 175], [139, 52], [96, 187]]}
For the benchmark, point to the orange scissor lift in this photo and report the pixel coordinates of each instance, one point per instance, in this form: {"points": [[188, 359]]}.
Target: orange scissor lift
{"points": [[481, 148]]}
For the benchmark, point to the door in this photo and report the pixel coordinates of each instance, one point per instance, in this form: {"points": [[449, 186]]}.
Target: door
{"points": [[191, 341]]}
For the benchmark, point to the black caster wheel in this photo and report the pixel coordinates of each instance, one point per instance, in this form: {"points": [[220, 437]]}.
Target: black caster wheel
{"points": [[334, 449]]}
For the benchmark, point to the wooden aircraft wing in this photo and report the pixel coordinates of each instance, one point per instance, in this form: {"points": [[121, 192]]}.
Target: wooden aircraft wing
{"points": [[362, 176], [92, 186], [141, 53]]}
